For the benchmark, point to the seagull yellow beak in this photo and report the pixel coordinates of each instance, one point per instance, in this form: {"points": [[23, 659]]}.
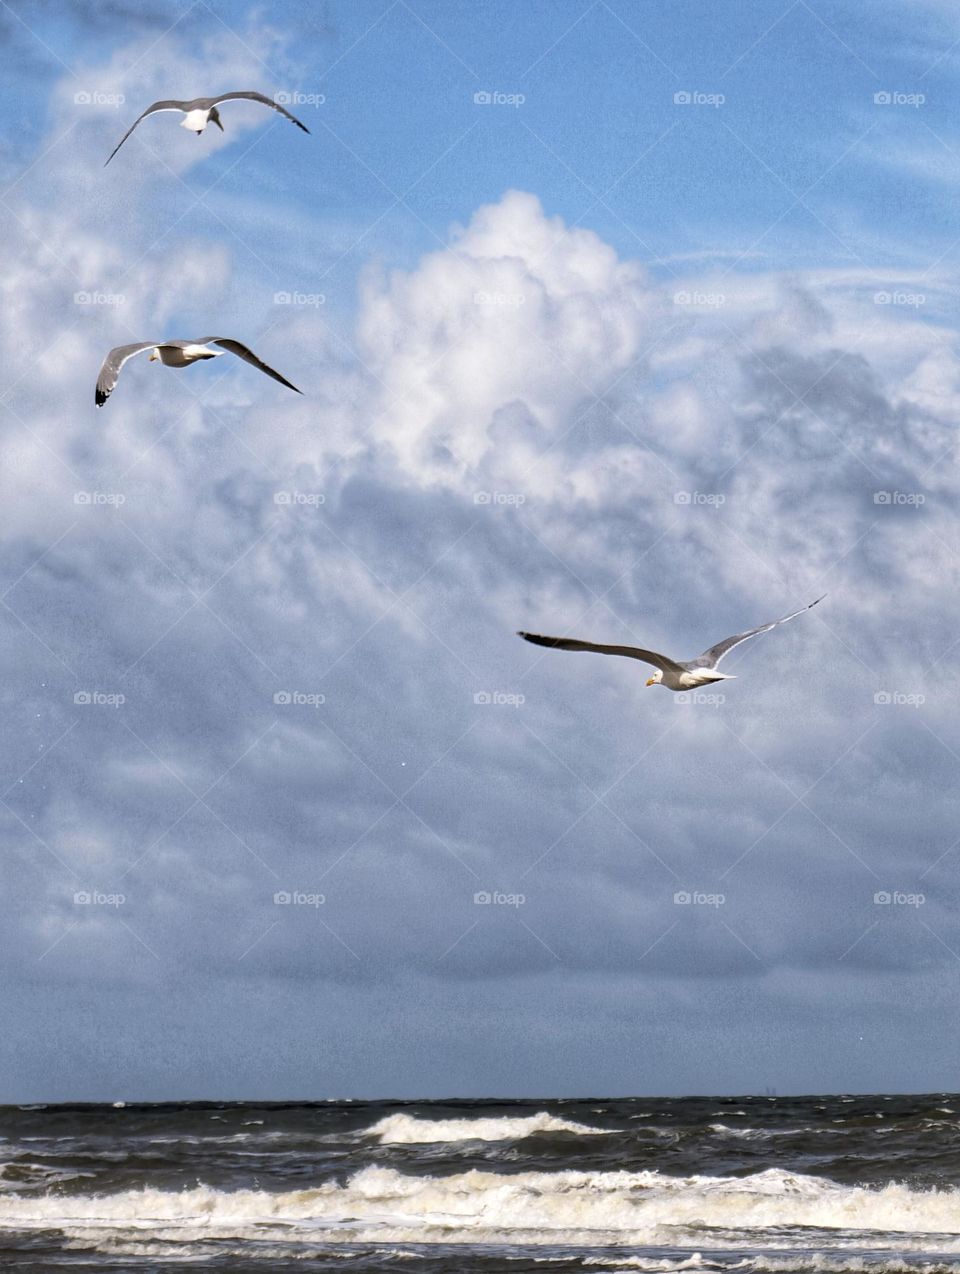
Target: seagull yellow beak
{"points": [[154, 356], [652, 681]]}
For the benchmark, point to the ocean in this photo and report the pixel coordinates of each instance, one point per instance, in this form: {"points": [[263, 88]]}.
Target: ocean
{"points": [[752, 1184]]}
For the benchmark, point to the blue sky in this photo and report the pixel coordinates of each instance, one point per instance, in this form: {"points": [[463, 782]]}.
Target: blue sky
{"points": [[586, 357]]}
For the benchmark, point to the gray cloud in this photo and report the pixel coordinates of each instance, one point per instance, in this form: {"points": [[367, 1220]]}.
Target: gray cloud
{"points": [[300, 602]]}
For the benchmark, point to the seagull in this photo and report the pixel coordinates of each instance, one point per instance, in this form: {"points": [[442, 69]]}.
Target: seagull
{"points": [[675, 674], [203, 111], [177, 354]]}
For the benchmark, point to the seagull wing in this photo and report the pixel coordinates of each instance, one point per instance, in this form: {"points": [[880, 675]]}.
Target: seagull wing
{"points": [[710, 658], [248, 356], [662, 662], [110, 371], [151, 110], [259, 97]]}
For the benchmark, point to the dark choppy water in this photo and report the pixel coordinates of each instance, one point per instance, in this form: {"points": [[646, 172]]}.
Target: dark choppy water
{"points": [[845, 1184]]}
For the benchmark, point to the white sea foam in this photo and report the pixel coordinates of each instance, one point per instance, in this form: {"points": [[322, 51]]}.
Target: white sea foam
{"points": [[657, 1264], [763, 1134], [745, 1134], [641, 1209], [825, 1262], [15, 1176], [408, 1130]]}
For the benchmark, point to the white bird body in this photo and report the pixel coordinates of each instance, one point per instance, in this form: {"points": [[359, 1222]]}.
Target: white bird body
{"points": [[691, 680], [196, 121], [183, 356]]}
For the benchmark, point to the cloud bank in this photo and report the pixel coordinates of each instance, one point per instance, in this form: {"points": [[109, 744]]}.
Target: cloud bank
{"points": [[271, 742]]}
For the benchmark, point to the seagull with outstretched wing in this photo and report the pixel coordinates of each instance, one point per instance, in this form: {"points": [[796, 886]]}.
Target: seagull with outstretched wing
{"points": [[675, 674], [178, 354], [203, 111]]}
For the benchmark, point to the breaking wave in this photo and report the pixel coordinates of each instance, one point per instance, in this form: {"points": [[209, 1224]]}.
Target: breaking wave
{"points": [[408, 1130], [642, 1208]]}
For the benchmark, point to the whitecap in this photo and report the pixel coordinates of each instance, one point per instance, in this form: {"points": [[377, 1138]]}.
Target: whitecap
{"points": [[408, 1130]]}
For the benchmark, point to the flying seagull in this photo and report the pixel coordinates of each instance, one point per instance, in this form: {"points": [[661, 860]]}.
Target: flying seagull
{"points": [[675, 674], [203, 111], [177, 354]]}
